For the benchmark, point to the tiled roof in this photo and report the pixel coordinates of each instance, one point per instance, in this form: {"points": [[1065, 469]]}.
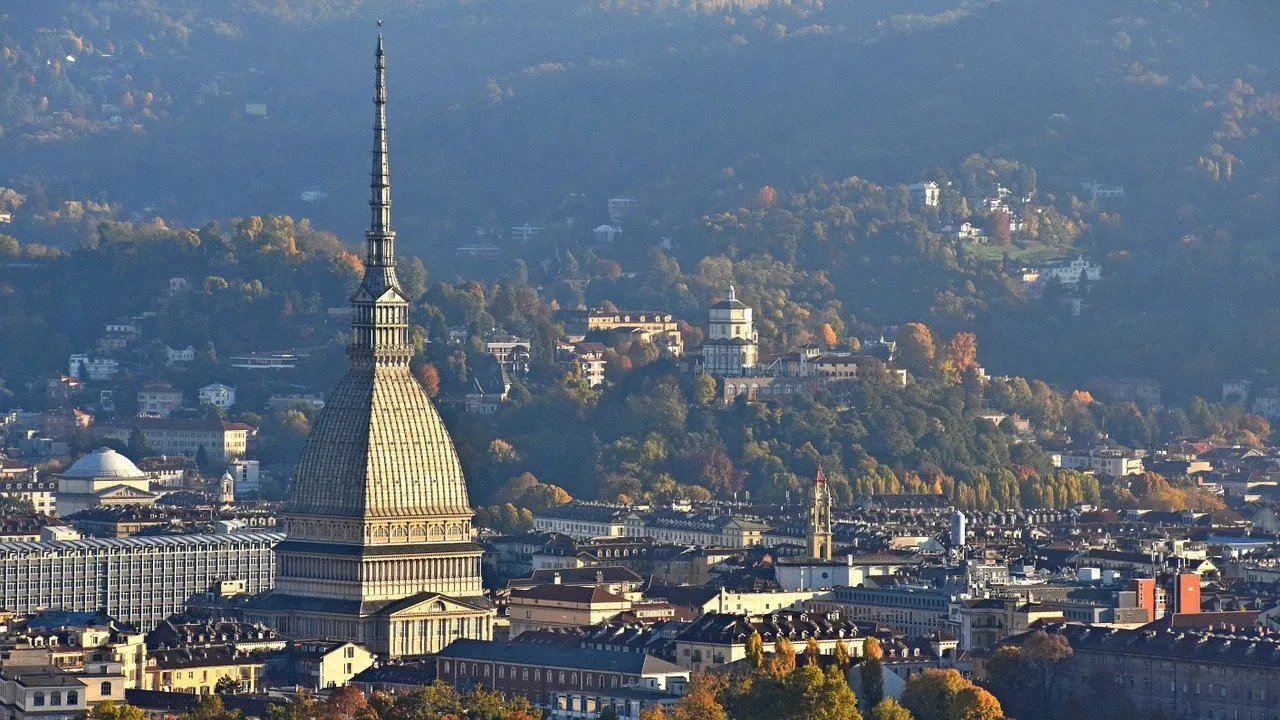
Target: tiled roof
{"points": [[1255, 648], [533, 654], [588, 594]]}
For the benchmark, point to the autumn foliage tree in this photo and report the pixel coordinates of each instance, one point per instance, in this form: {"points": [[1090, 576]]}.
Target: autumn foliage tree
{"points": [[962, 351], [871, 672], [829, 335], [429, 378], [1001, 228], [916, 349], [701, 702], [928, 695], [974, 703]]}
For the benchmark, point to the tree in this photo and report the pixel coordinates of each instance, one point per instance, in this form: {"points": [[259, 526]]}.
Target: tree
{"points": [[889, 709], [841, 654], [829, 335], [1024, 677], [704, 389], [928, 695], [915, 349], [108, 710], [700, 702], [653, 712], [974, 703], [608, 714], [1001, 228], [755, 651], [871, 672], [346, 703], [226, 685], [962, 350], [767, 197], [822, 695], [429, 378], [210, 708], [811, 651], [784, 657], [138, 447]]}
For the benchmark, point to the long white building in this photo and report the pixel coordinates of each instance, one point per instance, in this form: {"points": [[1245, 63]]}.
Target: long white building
{"points": [[137, 580]]}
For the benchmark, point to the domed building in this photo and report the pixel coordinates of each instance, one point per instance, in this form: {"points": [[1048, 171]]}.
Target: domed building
{"points": [[380, 549], [732, 346], [103, 477]]}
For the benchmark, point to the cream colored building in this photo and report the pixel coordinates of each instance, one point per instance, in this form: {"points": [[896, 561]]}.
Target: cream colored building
{"points": [[19, 480], [198, 670], [732, 346], [222, 441], [325, 665], [158, 398], [103, 477], [379, 547], [562, 606], [717, 639], [659, 328]]}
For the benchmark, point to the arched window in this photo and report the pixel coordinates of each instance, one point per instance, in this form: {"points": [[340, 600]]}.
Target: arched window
{"points": [[106, 689], [55, 698], [73, 698], [37, 699], [561, 677], [446, 666]]}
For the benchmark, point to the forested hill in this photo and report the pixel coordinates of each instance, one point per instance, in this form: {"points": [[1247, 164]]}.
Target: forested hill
{"points": [[502, 110]]}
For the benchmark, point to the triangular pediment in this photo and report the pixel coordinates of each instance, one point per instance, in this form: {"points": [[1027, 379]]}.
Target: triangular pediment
{"points": [[391, 294], [428, 604], [122, 492]]}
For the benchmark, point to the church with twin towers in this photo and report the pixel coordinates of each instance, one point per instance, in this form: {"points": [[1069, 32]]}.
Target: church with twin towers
{"points": [[378, 547]]}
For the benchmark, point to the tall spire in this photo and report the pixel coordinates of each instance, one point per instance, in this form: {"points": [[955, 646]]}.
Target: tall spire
{"points": [[380, 311], [380, 237]]}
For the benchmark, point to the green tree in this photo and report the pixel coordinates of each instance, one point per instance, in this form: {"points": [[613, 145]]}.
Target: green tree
{"points": [[108, 710], [137, 447], [889, 709], [210, 708], [704, 390], [822, 695], [226, 685]]}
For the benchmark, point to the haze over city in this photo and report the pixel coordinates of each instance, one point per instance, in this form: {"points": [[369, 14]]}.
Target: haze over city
{"points": [[639, 359]]}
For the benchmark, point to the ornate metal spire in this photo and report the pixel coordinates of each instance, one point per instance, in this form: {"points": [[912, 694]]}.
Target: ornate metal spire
{"points": [[380, 237]]}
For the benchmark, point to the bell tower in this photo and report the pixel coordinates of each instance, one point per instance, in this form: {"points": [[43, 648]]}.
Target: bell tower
{"points": [[819, 535]]}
